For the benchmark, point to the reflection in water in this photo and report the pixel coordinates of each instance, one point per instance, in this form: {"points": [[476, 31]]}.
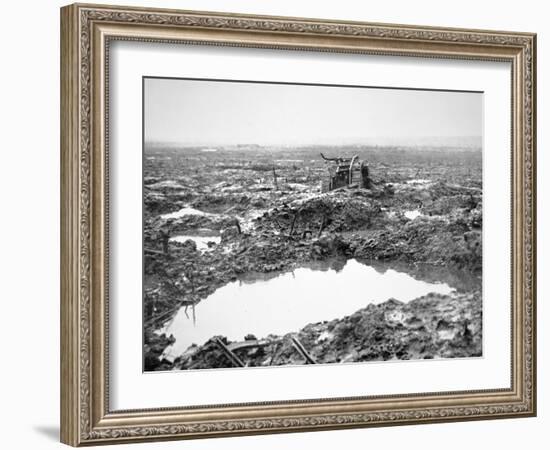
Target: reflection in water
{"points": [[200, 241], [459, 279], [287, 302]]}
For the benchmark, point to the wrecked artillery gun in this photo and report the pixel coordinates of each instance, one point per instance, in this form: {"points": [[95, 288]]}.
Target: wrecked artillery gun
{"points": [[350, 172]]}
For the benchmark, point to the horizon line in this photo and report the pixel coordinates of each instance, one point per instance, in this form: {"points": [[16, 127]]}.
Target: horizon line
{"points": [[371, 142]]}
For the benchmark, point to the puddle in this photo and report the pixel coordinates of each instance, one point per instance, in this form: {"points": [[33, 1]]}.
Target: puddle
{"points": [[412, 214], [200, 241], [185, 212], [168, 184], [298, 186], [281, 303], [419, 181]]}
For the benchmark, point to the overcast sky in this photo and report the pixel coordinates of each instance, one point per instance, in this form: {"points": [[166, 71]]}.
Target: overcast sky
{"points": [[220, 112]]}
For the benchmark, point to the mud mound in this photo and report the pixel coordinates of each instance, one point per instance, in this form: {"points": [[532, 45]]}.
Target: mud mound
{"points": [[426, 240], [337, 211], [433, 326], [153, 349]]}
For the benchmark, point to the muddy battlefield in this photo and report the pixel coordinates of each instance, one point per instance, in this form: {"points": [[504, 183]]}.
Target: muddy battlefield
{"points": [[259, 256]]}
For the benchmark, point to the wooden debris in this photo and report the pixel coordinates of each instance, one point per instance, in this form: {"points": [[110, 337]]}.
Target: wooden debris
{"points": [[230, 355], [298, 346]]}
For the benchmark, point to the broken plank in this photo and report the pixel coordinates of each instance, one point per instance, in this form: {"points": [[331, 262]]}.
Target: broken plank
{"points": [[249, 344], [230, 355], [301, 349], [155, 252]]}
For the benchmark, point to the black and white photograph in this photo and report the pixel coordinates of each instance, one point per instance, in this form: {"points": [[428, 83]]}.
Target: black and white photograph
{"points": [[297, 224]]}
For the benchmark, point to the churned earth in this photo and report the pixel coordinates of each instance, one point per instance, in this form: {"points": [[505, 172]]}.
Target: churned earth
{"points": [[211, 218], [433, 326]]}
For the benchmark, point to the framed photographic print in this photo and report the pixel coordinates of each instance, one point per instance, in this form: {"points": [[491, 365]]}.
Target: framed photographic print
{"points": [[275, 224]]}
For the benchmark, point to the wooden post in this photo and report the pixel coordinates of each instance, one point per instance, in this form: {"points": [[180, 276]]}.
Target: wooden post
{"points": [[294, 221], [322, 226], [350, 175], [301, 349], [164, 238], [275, 178], [238, 225], [230, 355]]}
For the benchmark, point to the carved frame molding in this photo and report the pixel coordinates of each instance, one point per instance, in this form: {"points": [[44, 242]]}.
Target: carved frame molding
{"points": [[86, 31]]}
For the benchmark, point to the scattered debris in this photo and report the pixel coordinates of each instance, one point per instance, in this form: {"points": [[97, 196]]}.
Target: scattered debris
{"points": [[433, 326], [271, 215], [346, 172]]}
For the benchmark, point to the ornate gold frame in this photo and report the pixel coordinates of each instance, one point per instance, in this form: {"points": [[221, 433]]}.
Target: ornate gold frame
{"points": [[86, 31]]}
